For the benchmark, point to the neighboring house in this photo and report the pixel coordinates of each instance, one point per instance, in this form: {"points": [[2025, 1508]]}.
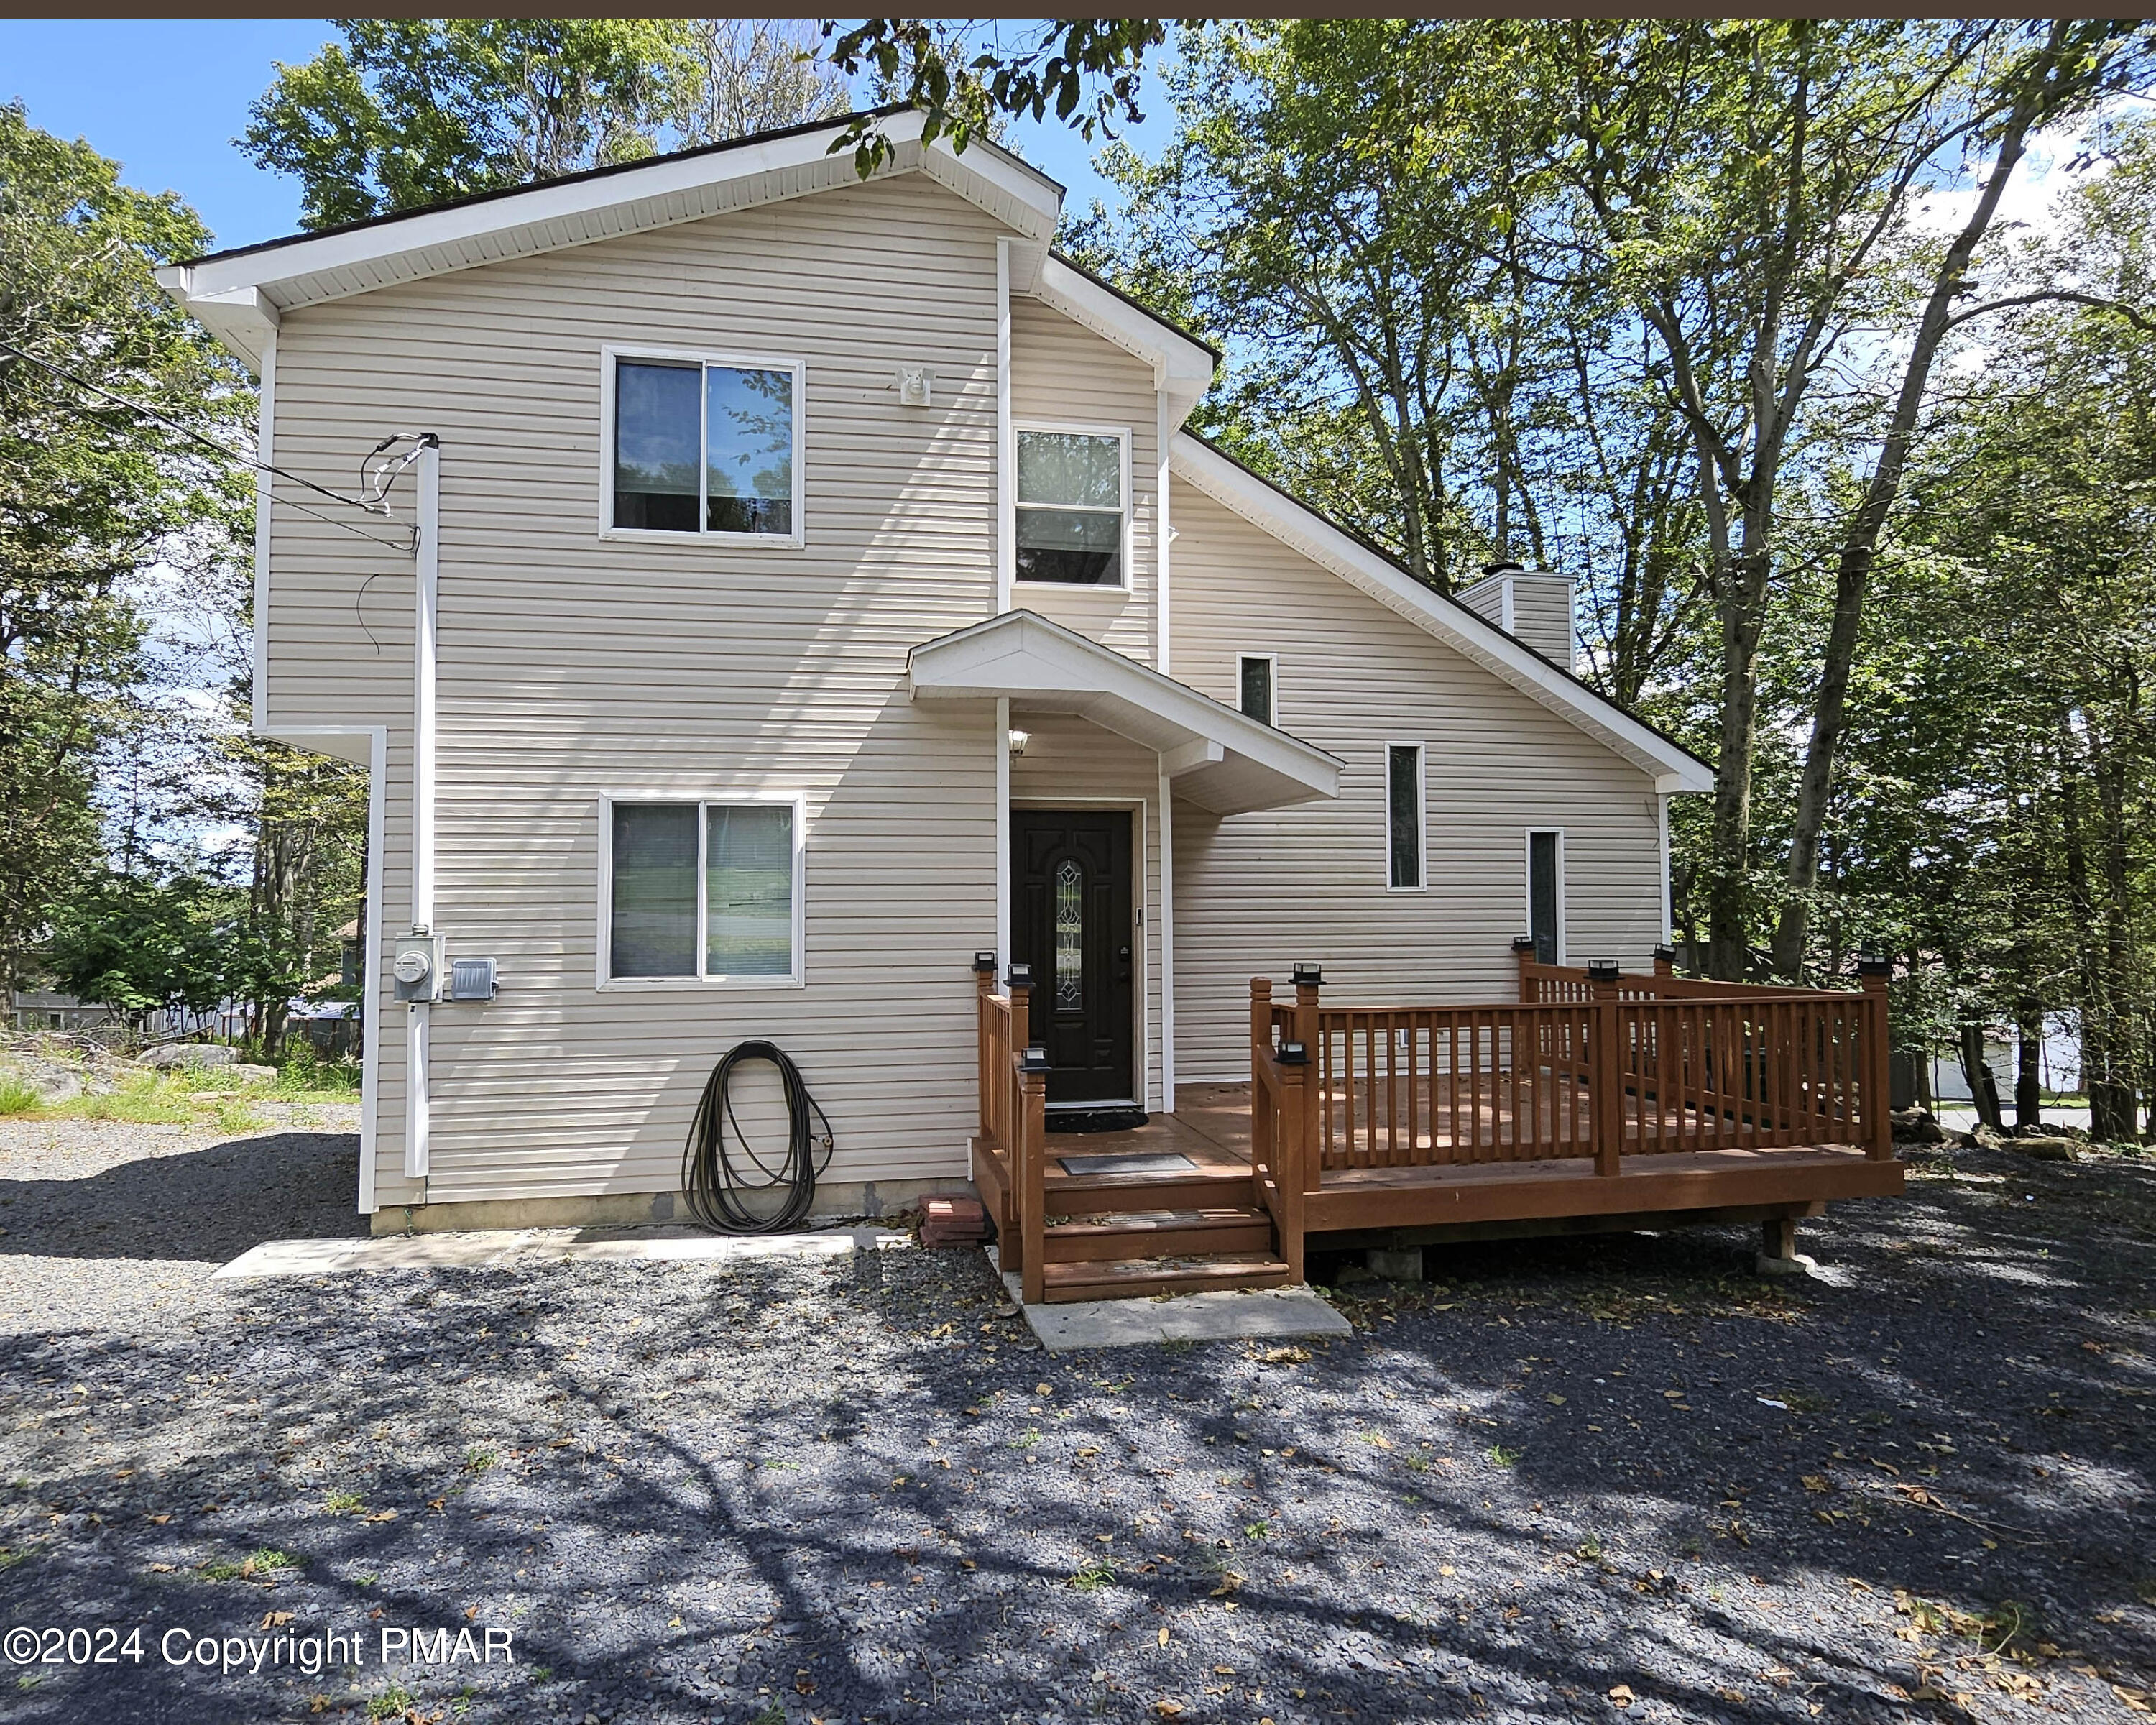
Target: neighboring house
{"points": [[814, 589]]}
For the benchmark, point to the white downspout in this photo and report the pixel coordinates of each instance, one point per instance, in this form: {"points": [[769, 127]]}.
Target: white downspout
{"points": [[1662, 822], [417, 1110], [1166, 951], [1006, 441], [1163, 538], [266, 435], [1003, 837]]}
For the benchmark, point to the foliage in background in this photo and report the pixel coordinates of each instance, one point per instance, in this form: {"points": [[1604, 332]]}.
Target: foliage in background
{"points": [[405, 112], [92, 495]]}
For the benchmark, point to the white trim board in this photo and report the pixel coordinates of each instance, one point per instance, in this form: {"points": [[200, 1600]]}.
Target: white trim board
{"points": [[308, 269], [1301, 528]]}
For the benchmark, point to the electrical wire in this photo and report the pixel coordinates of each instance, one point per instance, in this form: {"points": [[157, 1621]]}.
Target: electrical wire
{"points": [[227, 451], [711, 1182]]}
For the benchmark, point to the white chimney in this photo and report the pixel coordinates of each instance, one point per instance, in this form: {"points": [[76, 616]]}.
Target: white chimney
{"points": [[1533, 606]]}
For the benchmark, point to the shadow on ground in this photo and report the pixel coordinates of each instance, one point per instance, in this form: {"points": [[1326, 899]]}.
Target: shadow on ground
{"points": [[207, 1205]]}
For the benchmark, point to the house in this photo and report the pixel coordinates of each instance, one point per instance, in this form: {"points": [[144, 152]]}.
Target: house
{"points": [[799, 585]]}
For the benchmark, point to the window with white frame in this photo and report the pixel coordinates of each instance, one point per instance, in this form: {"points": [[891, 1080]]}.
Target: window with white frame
{"points": [[1403, 822], [1545, 894], [1072, 486], [704, 445], [1254, 685], [704, 890]]}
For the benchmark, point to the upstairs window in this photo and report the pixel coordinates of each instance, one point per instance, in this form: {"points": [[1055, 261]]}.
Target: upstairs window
{"points": [[1254, 685], [1403, 822], [704, 445], [1070, 506], [704, 891]]}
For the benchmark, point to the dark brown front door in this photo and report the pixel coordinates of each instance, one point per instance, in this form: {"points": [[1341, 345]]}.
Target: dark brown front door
{"points": [[1070, 920]]}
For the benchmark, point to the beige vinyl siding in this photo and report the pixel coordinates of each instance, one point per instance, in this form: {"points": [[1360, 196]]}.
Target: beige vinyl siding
{"points": [[1541, 616], [1256, 893], [1061, 372], [571, 666], [1069, 763]]}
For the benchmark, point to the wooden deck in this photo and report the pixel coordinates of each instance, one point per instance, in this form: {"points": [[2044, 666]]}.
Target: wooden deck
{"points": [[1594, 1100]]}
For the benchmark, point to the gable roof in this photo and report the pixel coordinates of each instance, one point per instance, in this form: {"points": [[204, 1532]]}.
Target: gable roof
{"points": [[1326, 543], [239, 294]]}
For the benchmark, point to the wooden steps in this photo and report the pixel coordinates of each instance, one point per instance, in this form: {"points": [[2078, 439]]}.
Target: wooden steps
{"points": [[1166, 1234], [1136, 1278], [1101, 1194]]}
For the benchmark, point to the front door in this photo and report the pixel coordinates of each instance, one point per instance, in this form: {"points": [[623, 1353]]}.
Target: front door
{"points": [[1070, 920]]}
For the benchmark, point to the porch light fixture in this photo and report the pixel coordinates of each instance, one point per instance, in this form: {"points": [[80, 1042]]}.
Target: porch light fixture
{"points": [[1035, 1060], [1018, 740], [1523, 943], [1668, 953], [984, 961], [1018, 976], [1309, 975], [1602, 970], [1293, 1054], [1874, 964]]}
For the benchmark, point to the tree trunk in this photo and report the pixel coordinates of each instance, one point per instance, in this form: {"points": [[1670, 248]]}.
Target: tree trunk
{"points": [[2114, 1104], [2028, 1064], [1728, 888], [1983, 1087]]}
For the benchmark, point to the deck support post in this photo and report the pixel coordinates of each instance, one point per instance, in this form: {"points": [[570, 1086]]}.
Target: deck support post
{"points": [[1010, 1228], [1778, 1249], [1032, 1136], [1265, 1157], [1309, 1032], [1290, 1154], [1605, 1074], [1876, 974], [1523, 955]]}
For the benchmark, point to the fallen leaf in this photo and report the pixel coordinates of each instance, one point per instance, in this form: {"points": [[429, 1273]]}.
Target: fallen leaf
{"points": [[1166, 1708], [275, 1619], [381, 1515], [1622, 1694], [1163, 1638]]}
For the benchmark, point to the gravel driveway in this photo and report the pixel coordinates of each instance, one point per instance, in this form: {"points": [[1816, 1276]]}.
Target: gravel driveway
{"points": [[1569, 1480]]}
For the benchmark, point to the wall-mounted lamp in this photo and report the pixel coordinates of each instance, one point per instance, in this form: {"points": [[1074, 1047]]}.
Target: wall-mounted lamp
{"points": [[1018, 740]]}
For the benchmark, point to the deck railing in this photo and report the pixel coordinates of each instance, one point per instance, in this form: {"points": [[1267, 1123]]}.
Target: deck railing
{"points": [[1013, 1078], [1586, 1064]]}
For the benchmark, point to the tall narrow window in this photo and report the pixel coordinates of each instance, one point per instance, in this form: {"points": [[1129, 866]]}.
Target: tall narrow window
{"points": [[1070, 936], [1404, 822], [705, 446], [1544, 903], [1254, 676], [704, 891], [1070, 507]]}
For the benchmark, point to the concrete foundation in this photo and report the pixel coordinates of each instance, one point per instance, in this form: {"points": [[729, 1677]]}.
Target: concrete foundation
{"points": [[836, 1201], [1395, 1263]]}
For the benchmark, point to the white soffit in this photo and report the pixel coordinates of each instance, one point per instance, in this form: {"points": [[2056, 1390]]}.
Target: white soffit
{"points": [[307, 269], [1182, 365], [1271, 510], [1219, 758]]}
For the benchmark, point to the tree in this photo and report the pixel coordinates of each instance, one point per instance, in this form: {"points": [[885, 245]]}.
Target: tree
{"points": [[135, 943], [408, 112], [92, 493]]}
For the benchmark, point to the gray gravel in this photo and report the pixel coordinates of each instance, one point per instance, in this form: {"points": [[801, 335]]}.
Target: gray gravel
{"points": [[1566, 1472]]}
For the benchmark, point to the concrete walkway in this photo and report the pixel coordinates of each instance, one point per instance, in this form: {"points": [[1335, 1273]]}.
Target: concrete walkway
{"points": [[522, 1247], [1227, 1315]]}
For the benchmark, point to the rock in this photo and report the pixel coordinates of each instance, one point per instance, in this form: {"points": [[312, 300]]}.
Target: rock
{"points": [[1796, 1263], [2043, 1147], [953, 1221], [190, 1054], [1915, 1125], [251, 1075]]}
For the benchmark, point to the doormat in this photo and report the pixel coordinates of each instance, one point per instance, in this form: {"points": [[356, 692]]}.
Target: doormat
{"points": [[1157, 1161], [1096, 1120]]}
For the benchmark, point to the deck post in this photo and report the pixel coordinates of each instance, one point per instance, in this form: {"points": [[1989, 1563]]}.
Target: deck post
{"points": [[1523, 955], [1605, 1077], [985, 982], [1032, 1207], [1289, 1152], [1876, 974], [1264, 1157], [1666, 961], [1011, 1230], [1309, 1032]]}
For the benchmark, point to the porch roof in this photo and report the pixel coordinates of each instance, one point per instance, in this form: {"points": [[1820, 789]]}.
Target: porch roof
{"points": [[1218, 759]]}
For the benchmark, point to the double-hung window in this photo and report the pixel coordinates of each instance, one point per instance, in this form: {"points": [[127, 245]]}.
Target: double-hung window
{"points": [[1073, 486], [1404, 817], [702, 443], [706, 892]]}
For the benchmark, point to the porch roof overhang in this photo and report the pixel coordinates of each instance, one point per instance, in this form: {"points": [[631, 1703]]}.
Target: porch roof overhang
{"points": [[1218, 759]]}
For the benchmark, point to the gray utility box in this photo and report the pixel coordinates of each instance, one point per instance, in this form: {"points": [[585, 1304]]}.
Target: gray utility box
{"points": [[416, 968], [471, 979]]}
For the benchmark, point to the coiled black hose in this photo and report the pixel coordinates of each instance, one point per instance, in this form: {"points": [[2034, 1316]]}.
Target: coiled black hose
{"points": [[708, 1177]]}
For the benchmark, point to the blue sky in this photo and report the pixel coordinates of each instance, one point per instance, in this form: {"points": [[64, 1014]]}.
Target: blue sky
{"points": [[166, 98]]}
